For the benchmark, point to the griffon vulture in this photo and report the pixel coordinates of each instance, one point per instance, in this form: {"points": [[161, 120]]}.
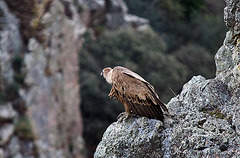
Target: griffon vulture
{"points": [[137, 95]]}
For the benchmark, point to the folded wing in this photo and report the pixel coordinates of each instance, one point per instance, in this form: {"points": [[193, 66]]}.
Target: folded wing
{"points": [[136, 93]]}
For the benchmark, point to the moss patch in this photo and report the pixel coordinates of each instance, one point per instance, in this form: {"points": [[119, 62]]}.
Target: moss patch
{"points": [[217, 113], [23, 128]]}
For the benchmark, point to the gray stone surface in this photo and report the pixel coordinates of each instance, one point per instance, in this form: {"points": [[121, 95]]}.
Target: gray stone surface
{"points": [[6, 131], [204, 114], [232, 15], [50, 90], [117, 17], [7, 112], [13, 148], [131, 138], [1, 153], [52, 76], [114, 15], [10, 42]]}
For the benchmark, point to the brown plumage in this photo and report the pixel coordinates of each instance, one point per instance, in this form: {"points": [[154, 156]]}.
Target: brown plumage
{"points": [[137, 95]]}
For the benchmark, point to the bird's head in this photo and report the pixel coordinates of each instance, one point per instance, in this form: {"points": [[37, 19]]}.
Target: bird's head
{"points": [[107, 74]]}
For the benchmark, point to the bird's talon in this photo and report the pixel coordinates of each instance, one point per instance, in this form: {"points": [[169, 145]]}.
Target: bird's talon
{"points": [[123, 116]]}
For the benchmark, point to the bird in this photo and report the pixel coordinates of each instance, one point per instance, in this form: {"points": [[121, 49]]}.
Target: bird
{"points": [[137, 95]]}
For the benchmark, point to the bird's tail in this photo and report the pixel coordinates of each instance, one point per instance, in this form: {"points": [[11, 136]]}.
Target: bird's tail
{"points": [[163, 106]]}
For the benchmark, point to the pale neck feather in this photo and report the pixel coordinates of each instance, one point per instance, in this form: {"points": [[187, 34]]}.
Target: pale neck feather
{"points": [[109, 77]]}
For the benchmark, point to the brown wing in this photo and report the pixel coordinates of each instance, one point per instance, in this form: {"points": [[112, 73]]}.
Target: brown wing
{"points": [[137, 93], [138, 77]]}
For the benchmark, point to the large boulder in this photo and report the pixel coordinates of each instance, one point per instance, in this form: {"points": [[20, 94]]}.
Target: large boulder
{"points": [[131, 138]]}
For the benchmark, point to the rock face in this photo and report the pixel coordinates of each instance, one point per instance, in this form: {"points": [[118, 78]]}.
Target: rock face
{"points": [[39, 45], [203, 120], [205, 116], [52, 74], [10, 42]]}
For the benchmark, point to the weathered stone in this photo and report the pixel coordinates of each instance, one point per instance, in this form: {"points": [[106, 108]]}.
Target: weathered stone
{"points": [[136, 22], [12, 148], [117, 17], [52, 76], [6, 131], [7, 112], [236, 118], [232, 15], [10, 42], [1, 153], [113, 14], [131, 138], [18, 156], [203, 112]]}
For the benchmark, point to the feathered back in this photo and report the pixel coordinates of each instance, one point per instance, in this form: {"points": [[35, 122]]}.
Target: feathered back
{"points": [[139, 95]]}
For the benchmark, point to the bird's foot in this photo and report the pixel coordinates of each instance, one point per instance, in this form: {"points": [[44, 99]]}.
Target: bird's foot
{"points": [[124, 116]]}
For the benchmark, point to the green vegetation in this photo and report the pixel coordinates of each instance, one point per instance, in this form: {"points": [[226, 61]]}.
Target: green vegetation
{"points": [[217, 113], [184, 38], [183, 21], [9, 91], [23, 128]]}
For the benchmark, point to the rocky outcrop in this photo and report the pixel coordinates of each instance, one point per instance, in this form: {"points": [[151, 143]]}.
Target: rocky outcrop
{"points": [[205, 122], [205, 116], [131, 138]]}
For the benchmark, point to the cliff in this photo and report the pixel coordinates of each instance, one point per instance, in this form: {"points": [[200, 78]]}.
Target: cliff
{"points": [[204, 119], [40, 43]]}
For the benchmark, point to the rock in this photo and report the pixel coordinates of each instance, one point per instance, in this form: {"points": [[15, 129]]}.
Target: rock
{"points": [[223, 58], [204, 120], [52, 96], [232, 16], [7, 112], [228, 55], [113, 14], [13, 148], [6, 131], [136, 22], [131, 138], [206, 112], [49, 87], [18, 156], [10, 42], [117, 17], [1, 153]]}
